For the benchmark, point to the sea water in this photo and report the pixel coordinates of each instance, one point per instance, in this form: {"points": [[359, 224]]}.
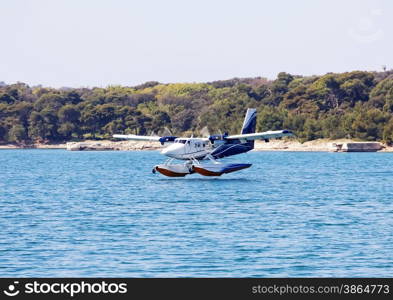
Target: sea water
{"points": [[104, 214]]}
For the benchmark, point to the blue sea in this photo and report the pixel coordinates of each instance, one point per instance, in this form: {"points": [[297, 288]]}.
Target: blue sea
{"points": [[104, 214]]}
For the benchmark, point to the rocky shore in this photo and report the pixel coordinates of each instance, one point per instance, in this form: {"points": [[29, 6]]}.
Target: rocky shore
{"points": [[321, 145], [33, 146], [111, 145]]}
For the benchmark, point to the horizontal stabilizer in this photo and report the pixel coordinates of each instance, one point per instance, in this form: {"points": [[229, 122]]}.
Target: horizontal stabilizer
{"points": [[260, 135]]}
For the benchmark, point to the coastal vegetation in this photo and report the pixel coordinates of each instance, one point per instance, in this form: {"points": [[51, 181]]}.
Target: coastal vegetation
{"points": [[356, 105]]}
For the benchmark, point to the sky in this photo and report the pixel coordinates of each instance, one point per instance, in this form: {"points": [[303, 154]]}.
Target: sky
{"points": [[86, 43]]}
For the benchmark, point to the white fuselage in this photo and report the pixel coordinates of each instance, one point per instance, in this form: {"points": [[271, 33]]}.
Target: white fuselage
{"points": [[188, 148]]}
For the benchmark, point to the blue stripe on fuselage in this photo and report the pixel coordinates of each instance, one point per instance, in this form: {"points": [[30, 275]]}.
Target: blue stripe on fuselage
{"points": [[231, 149]]}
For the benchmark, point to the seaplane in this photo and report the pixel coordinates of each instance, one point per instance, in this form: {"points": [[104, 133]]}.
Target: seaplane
{"points": [[201, 155]]}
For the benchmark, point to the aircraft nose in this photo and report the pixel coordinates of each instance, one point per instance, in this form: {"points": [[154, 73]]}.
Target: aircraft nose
{"points": [[171, 151], [165, 151]]}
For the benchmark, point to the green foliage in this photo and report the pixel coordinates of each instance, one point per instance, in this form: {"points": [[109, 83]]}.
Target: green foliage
{"points": [[6, 98], [17, 133], [382, 95], [369, 124], [271, 118], [353, 104], [3, 132], [66, 129], [388, 132]]}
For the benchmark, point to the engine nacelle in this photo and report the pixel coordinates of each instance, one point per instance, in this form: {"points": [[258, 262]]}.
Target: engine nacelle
{"points": [[218, 137], [166, 139]]}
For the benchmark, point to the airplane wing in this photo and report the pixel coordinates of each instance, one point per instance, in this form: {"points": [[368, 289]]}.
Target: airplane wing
{"points": [[137, 137], [260, 135], [146, 138]]}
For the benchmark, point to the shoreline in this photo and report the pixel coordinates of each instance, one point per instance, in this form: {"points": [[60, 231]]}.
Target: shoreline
{"points": [[33, 146], [319, 145]]}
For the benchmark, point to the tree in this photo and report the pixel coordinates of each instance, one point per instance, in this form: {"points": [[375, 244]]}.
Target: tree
{"points": [[332, 127], [3, 132], [51, 100], [37, 128], [280, 87], [312, 130], [160, 120], [72, 97], [43, 125], [6, 98], [369, 124], [388, 132], [69, 113], [353, 104], [66, 129], [271, 118], [383, 94], [21, 110], [262, 92], [355, 90], [183, 121], [17, 133]]}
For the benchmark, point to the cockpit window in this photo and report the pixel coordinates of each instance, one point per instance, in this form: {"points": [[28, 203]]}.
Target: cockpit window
{"points": [[182, 141]]}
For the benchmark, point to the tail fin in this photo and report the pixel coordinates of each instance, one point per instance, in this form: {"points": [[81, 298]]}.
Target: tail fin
{"points": [[250, 121]]}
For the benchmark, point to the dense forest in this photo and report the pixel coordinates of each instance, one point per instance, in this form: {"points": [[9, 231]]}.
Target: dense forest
{"points": [[355, 105]]}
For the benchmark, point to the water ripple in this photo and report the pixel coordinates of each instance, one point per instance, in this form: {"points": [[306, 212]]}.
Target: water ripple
{"points": [[104, 214]]}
